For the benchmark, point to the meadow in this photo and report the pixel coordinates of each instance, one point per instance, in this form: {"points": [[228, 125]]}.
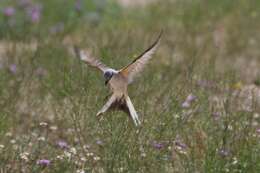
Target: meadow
{"points": [[198, 98]]}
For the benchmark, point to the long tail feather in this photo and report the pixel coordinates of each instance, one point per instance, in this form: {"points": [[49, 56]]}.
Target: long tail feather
{"points": [[132, 111], [121, 103]]}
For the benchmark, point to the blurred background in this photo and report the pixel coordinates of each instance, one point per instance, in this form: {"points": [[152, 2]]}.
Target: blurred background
{"points": [[199, 98]]}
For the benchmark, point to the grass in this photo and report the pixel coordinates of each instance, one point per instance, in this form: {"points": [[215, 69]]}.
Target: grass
{"points": [[209, 50]]}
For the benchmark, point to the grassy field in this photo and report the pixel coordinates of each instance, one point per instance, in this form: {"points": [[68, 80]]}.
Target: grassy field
{"points": [[198, 99]]}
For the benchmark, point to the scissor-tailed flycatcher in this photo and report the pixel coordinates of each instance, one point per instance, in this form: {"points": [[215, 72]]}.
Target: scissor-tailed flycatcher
{"points": [[118, 80]]}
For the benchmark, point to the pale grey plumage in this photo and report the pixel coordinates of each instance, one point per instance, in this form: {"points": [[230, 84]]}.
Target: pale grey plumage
{"points": [[91, 61]]}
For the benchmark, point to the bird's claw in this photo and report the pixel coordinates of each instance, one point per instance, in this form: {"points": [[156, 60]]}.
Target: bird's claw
{"points": [[99, 113]]}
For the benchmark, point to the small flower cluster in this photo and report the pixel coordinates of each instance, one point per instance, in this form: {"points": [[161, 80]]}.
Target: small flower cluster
{"points": [[43, 162], [31, 10], [9, 11], [158, 145], [187, 103], [25, 156], [180, 147], [62, 144]]}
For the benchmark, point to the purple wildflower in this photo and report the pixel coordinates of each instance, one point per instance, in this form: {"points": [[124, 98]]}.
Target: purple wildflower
{"points": [[181, 145], [191, 98], [9, 11], [99, 142], [35, 16], [158, 145], [34, 12], [185, 104], [44, 162], [78, 5], [62, 144], [13, 68]]}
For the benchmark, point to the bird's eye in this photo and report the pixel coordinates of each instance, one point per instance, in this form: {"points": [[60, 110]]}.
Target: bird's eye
{"points": [[108, 74]]}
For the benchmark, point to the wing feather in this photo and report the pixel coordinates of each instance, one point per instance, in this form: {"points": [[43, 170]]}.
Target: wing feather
{"points": [[91, 61], [137, 65]]}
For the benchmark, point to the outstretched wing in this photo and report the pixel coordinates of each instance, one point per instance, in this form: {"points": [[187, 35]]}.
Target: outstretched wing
{"points": [[91, 61], [134, 68]]}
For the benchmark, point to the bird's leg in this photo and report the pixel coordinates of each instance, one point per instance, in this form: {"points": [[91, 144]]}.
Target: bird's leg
{"points": [[107, 105], [132, 111]]}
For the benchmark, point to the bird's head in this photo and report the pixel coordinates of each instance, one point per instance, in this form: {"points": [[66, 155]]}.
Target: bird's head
{"points": [[109, 74]]}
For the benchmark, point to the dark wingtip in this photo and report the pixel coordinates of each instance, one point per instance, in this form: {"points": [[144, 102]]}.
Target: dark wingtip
{"points": [[155, 43], [157, 40], [161, 33], [159, 37]]}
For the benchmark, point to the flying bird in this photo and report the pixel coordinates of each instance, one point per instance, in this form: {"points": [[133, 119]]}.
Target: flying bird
{"points": [[118, 80]]}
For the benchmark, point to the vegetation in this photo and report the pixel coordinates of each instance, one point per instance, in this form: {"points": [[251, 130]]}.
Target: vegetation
{"points": [[199, 98]]}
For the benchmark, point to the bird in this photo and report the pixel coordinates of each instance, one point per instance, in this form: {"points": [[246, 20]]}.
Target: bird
{"points": [[118, 80]]}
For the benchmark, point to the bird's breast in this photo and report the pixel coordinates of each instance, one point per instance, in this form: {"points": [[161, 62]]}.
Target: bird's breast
{"points": [[118, 84]]}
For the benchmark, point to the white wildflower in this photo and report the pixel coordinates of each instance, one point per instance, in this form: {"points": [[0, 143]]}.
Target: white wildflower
{"points": [[230, 127], [73, 150], [90, 154], [42, 138], [60, 157], [12, 141], [83, 159], [121, 169], [80, 171], [53, 128], [8, 134], [235, 161], [176, 116], [43, 124], [76, 162], [256, 115], [143, 154], [24, 156], [67, 154], [96, 158]]}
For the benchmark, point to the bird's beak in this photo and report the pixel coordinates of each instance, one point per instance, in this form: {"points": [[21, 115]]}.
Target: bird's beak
{"points": [[106, 82], [107, 79]]}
